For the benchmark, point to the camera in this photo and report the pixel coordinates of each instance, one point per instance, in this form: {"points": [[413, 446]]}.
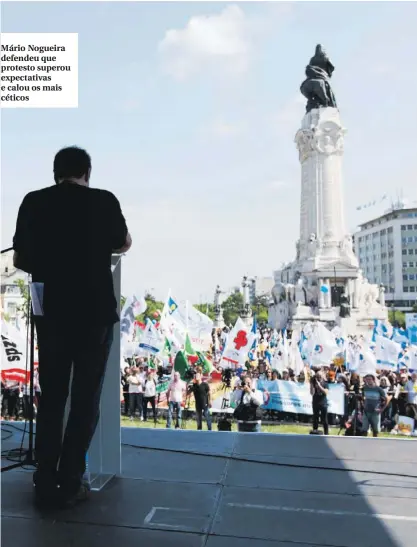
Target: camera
{"points": [[227, 376], [189, 375]]}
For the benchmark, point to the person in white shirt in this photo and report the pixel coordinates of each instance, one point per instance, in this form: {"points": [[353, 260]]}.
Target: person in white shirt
{"points": [[149, 395], [411, 407], [175, 396], [135, 383], [249, 401]]}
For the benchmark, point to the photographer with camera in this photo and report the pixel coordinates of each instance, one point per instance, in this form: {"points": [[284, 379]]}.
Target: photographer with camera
{"points": [[202, 397], [319, 389], [248, 413]]}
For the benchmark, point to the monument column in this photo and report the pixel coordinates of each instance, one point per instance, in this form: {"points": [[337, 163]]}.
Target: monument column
{"points": [[320, 145], [321, 294]]}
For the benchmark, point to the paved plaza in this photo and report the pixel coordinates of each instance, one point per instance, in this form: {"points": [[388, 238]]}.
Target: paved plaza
{"points": [[212, 489]]}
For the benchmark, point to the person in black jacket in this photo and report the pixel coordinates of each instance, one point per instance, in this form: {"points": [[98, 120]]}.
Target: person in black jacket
{"points": [[65, 237], [319, 389]]}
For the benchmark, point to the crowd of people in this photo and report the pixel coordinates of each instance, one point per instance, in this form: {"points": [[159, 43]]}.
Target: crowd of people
{"points": [[372, 402]]}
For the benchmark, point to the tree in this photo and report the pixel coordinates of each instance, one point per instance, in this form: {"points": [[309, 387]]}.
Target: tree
{"points": [[153, 310], [24, 292], [414, 308], [207, 309], [232, 308], [396, 318]]}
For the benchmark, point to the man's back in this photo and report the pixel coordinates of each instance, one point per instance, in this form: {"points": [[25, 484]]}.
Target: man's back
{"points": [[67, 233]]}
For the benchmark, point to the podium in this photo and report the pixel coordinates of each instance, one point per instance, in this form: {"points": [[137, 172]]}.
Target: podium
{"points": [[104, 457]]}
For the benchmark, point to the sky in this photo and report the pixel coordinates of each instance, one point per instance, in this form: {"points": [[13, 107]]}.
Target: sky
{"points": [[189, 111]]}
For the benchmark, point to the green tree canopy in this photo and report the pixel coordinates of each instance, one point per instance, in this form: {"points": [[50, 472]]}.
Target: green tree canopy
{"points": [[232, 308], [396, 318], [153, 306]]}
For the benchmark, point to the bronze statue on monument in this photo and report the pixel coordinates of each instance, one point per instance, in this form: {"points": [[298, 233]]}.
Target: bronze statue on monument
{"points": [[316, 87]]}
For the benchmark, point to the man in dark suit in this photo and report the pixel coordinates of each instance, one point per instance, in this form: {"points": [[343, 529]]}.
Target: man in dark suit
{"points": [[65, 237]]}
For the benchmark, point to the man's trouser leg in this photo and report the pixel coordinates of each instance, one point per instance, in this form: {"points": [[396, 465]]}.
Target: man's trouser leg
{"points": [[91, 352], [199, 418], [324, 419], [55, 358], [316, 415]]}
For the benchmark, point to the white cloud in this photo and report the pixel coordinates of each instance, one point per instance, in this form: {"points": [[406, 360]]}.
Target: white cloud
{"points": [[223, 39]]}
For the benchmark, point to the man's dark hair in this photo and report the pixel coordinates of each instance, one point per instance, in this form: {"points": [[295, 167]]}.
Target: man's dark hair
{"points": [[71, 162]]}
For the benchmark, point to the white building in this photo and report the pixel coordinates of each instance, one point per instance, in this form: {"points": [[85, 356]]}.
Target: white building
{"points": [[11, 298], [260, 286], [387, 251]]}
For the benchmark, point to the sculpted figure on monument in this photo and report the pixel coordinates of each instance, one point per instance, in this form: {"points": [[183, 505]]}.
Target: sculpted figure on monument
{"points": [[344, 306], [217, 294], [316, 88]]}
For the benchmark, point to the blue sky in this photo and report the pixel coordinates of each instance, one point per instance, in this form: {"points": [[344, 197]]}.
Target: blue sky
{"points": [[189, 111]]}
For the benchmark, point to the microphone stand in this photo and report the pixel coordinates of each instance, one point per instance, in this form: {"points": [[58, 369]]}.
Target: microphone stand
{"points": [[29, 458]]}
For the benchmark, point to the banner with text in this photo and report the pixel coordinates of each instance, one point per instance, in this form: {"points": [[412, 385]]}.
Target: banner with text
{"points": [[296, 398]]}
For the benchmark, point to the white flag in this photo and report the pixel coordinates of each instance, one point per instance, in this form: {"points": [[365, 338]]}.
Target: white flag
{"points": [[13, 354], [238, 344], [133, 306], [151, 340], [322, 346]]}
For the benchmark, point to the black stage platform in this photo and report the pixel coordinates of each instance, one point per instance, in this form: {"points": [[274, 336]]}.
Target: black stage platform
{"points": [[212, 489]]}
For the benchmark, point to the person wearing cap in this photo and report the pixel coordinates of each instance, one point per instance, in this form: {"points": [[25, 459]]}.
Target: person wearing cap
{"points": [[375, 401]]}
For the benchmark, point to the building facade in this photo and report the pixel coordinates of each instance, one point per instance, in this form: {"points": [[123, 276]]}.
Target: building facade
{"points": [[387, 251], [11, 299]]}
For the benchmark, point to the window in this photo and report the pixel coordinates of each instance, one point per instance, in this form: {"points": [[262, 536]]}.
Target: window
{"points": [[410, 251], [383, 232], [409, 226], [404, 251], [359, 239], [412, 289], [405, 289], [383, 255], [415, 239], [390, 230], [411, 277], [391, 254], [411, 264], [405, 264], [404, 240], [375, 235], [415, 227], [403, 227], [405, 277], [410, 239], [11, 308]]}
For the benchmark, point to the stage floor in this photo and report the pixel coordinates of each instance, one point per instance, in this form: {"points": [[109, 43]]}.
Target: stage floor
{"points": [[214, 489]]}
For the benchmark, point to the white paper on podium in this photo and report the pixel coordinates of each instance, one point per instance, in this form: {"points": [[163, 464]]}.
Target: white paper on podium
{"points": [[36, 295]]}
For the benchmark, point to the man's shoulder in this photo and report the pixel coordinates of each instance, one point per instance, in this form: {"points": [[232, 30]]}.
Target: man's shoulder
{"points": [[38, 195], [104, 195]]}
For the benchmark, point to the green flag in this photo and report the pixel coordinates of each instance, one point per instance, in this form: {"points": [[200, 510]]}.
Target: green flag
{"points": [[167, 347], [188, 347], [204, 363], [180, 364]]}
